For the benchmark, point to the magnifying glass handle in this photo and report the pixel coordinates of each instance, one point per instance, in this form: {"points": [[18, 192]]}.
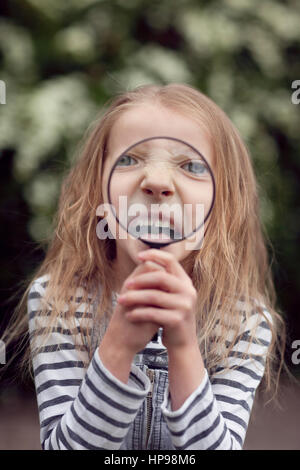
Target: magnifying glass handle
{"points": [[158, 246]]}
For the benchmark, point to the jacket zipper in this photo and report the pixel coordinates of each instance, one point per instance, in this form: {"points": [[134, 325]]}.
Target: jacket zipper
{"points": [[150, 374]]}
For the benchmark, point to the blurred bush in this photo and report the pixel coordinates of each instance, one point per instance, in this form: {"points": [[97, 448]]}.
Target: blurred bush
{"points": [[61, 61]]}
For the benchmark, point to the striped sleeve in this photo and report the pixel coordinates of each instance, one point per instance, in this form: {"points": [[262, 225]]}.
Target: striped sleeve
{"points": [[79, 408], [216, 414]]}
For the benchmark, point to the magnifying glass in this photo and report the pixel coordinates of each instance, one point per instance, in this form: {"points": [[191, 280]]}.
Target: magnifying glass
{"points": [[161, 191]]}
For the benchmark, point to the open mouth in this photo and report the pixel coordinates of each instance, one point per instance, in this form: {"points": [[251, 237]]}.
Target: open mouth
{"points": [[159, 229]]}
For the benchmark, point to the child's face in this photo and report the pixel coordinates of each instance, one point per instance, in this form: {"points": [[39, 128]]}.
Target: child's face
{"points": [[140, 122]]}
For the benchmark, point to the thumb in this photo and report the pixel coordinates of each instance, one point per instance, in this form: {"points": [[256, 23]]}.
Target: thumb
{"points": [[143, 267], [147, 266]]}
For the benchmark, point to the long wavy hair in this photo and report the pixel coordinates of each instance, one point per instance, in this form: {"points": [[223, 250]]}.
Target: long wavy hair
{"points": [[231, 272]]}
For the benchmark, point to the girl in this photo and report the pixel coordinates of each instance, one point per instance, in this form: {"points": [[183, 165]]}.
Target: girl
{"points": [[102, 382]]}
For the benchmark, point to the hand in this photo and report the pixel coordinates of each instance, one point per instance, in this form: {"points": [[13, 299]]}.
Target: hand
{"points": [[163, 297], [127, 336]]}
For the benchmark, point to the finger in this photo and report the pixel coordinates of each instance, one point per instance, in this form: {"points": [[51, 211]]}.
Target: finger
{"points": [[147, 266], [163, 318], [158, 298], [165, 259], [144, 267], [151, 266], [155, 279]]}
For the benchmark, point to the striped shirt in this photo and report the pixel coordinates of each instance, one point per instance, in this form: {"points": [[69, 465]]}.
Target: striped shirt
{"points": [[88, 408]]}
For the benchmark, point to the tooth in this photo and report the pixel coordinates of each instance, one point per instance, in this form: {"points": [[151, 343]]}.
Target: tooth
{"points": [[160, 223]]}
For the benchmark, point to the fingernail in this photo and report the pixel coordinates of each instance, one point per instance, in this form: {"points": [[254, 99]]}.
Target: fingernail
{"points": [[129, 283]]}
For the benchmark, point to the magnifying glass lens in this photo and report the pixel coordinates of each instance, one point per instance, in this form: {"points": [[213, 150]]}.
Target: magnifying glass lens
{"points": [[161, 190]]}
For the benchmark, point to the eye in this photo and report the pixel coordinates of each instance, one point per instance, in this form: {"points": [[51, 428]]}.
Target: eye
{"points": [[196, 167], [126, 160]]}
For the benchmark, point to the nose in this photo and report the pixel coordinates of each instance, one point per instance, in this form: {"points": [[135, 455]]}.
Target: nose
{"points": [[158, 182]]}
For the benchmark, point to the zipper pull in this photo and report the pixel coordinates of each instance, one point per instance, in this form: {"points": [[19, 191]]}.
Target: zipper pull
{"points": [[150, 374]]}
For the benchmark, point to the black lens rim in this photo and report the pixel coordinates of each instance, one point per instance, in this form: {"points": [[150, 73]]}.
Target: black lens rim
{"points": [[160, 244]]}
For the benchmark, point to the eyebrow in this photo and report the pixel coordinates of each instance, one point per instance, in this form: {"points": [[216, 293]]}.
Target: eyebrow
{"points": [[179, 155], [192, 155]]}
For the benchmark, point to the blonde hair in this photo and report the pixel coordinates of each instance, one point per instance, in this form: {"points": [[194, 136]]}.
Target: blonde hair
{"points": [[231, 272]]}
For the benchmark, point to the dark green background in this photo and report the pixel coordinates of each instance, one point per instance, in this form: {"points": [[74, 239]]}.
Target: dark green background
{"points": [[62, 60]]}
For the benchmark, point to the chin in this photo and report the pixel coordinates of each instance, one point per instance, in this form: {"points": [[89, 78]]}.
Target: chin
{"points": [[130, 249]]}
